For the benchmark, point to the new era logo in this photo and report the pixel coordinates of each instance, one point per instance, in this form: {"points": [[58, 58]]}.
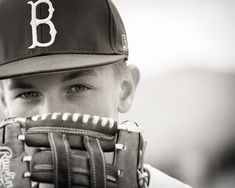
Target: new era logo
{"points": [[124, 43]]}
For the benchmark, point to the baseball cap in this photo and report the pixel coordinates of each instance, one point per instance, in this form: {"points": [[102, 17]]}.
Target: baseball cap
{"points": [[43, 36]]}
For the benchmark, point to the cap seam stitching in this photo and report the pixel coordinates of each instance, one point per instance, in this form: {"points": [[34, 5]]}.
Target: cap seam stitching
{"points": [[106, 7], [58, 50], [68, 68], [55, 70], [110, 24]]}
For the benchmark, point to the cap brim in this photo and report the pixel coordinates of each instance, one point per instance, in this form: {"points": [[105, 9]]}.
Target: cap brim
{"points": [[55, 63]]}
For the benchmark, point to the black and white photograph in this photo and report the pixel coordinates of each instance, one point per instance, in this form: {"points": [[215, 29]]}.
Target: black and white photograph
{"points": [[117, 94]]}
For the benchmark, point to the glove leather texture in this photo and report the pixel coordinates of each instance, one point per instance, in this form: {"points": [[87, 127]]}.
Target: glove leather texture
{"points": [[70, 153]]}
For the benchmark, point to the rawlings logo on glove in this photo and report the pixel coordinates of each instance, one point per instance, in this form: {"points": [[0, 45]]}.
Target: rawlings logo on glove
{"points": [[12, 151], [6, 176], [69, 150]]}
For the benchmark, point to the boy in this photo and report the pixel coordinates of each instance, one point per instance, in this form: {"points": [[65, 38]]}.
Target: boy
{"points": [[67, 56]]}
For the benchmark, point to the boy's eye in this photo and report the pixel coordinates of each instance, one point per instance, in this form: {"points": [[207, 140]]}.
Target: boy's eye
{"points": [[77, 88], [29, 95]]}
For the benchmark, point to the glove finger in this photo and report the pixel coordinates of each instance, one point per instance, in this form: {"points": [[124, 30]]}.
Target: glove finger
{"points": [[12, 151], [12, 131]]}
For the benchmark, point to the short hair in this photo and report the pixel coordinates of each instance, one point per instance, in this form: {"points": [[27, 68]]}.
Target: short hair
{"points": [[119, 68], [1, 86], [1, 90]]}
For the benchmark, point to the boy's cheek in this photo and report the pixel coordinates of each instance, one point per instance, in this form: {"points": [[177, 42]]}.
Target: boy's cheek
{"points": [[16, 110], [104, 107]]}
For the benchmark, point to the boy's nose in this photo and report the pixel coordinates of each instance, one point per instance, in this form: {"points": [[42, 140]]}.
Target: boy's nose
{"points": [[53, 104]]}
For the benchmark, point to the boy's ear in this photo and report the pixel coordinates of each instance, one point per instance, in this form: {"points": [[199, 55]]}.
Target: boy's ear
{"points": [[129, 83]]}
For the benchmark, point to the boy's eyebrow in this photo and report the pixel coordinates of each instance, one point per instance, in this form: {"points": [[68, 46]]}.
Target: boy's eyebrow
{"points": [[81, 73], [19, 85]]}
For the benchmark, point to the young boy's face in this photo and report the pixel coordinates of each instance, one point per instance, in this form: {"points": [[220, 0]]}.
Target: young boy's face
{"points": [[96, 91]]}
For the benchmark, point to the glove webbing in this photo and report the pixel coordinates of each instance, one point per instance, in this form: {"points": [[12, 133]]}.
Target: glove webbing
{"points": [[62, 166], [97, 162], [61, 160]]}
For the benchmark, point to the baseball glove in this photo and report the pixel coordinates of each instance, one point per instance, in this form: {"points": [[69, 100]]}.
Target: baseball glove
{"points": [[71, 150]]}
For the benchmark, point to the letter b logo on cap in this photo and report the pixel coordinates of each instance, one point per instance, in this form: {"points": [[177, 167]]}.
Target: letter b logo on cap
{"points": [[36, 22]]}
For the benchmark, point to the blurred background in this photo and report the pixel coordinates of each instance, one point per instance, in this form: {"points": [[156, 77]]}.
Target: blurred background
{"points": [[185, 50]]}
